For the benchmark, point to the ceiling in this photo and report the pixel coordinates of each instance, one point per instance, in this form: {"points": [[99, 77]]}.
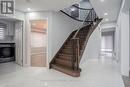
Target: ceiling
{"points": [[112, 7], [43, 5]]}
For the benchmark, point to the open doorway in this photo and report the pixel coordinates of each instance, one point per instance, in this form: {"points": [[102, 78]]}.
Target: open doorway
{"points": [[11, 41], [107, 43], [39, 43]]}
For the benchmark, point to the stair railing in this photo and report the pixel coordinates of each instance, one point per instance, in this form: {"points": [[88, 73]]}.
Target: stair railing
{"points": [[90, 18], [78, 14]]}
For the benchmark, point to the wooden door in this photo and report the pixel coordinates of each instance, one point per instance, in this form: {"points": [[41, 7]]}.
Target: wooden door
{"points": [[38, 43]]}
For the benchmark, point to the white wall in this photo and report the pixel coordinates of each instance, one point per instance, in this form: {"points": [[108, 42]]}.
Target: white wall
{"points": [[92, 49], [124, 43], [18, 15], [59, 28], [108, 25], [123, 40], [118, 42], [129, 40]]}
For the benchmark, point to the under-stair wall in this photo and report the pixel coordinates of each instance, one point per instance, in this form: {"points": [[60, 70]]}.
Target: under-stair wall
{"points": [[92, 50]]}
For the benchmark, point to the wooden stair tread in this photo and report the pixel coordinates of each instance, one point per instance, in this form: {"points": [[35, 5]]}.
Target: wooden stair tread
{"points": [[65, 57], [67, 51], [66, 70], [70, 55], [63, 62], [69, 45]]}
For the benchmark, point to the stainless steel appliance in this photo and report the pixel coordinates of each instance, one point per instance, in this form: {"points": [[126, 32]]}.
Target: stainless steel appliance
{"points": [[7, 52]]}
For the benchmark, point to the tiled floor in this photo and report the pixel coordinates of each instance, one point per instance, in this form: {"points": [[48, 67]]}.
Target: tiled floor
{"points": [[95, 73]]}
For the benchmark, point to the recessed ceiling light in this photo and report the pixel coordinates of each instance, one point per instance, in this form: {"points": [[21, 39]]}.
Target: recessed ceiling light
{"points": [[102, 0], [105, 14], [45, 84], [29, 9], [106, 19], [73, 9]]}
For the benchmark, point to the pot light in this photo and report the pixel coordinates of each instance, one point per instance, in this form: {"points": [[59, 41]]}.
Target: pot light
{"points": [[29, 9], [73, 9], [105, 14], [106, 19], [45, 84], [102, 0]]}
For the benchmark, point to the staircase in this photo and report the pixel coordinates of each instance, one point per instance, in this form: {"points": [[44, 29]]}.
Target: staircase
{"points": [[69, 55]]}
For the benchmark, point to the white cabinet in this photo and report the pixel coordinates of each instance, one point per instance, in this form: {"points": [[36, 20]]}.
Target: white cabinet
{"points": [[10, 29], [6, 27]]}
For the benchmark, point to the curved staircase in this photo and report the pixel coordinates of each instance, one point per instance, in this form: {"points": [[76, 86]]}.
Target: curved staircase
{"points": [[68, 57]]}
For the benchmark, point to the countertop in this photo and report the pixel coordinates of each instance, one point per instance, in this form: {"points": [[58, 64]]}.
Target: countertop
{"points": [[7, 42]]}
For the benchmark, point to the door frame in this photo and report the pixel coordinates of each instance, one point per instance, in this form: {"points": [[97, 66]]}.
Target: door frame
{"points": [[29, 42], [22, 28]]}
